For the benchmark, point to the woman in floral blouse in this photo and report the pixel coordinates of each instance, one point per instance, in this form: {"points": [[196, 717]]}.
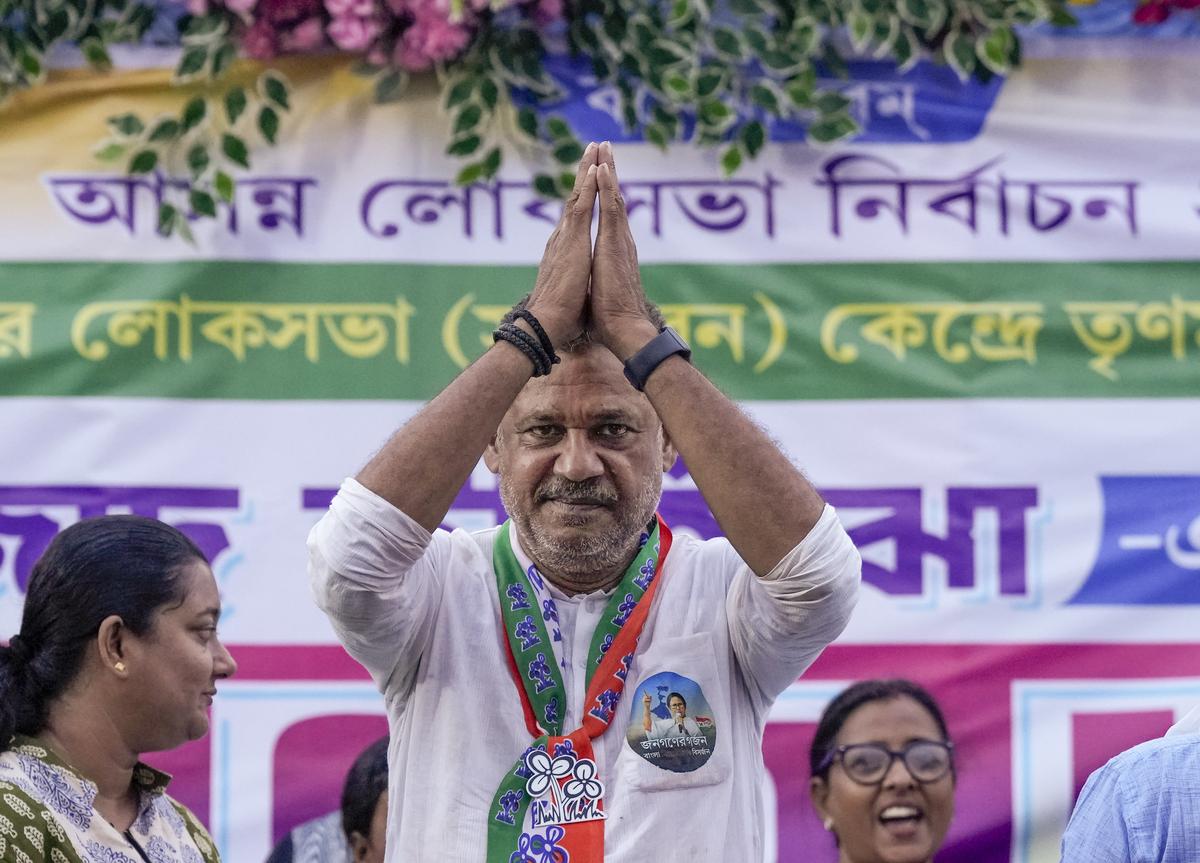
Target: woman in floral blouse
{"points": [[117, 655]]}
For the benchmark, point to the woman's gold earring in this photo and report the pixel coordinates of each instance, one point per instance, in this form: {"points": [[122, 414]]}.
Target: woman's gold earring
{"points": [[120, 666], [828, 823]]}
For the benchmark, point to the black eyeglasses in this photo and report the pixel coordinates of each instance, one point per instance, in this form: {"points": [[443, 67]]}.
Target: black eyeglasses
{"points": [[868, 763]]}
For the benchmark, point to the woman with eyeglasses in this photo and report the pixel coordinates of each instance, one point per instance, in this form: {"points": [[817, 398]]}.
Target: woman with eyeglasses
{"points": [[883, 773]]}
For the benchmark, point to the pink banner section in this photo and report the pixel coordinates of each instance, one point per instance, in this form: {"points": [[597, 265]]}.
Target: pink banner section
{"points": [[1096, 736], [981, 688]]}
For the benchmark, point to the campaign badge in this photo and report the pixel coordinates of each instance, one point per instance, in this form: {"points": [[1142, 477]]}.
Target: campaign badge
{"points": [[671, 724]]}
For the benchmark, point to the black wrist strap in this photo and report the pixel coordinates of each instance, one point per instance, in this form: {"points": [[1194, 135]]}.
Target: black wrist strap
{"points": [[529, 318], [666, 344], [527, 344]]}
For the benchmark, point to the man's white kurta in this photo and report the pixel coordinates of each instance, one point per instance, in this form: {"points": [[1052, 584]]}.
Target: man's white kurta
{"points": [[421, 612]]}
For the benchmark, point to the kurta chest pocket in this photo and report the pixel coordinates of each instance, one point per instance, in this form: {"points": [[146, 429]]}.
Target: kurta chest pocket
{"points": [[678, 726]]}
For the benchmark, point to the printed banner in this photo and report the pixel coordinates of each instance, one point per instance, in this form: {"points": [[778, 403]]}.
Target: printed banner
{"points": [[976, 327]]}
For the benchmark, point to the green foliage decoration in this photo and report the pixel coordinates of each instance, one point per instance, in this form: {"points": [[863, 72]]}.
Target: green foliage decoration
{"points": [[718, 74], [204, 141], [29, 29], [212, 135]]}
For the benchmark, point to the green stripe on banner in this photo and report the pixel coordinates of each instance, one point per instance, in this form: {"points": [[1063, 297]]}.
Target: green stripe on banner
{"points": [[221, 329]]}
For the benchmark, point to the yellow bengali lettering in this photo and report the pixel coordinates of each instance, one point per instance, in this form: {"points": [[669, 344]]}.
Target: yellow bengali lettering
{"points": [[362, 330], [233, 326], [451, 343], [1105, 329], [994, 331], [777, 332], [708, 325], [358, 330], [998, 332], [16, 329], [128, 323], [487, 314], [896, 327], [1170, 320]]}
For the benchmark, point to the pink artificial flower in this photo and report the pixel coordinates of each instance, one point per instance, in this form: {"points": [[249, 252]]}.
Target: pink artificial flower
{"points": [[305, 36], [546, 12], [430, 39], [197, 7], [351, 33], [241, 7], [1154, 12], [440, 8], [259, 41], [342, 8], [288, 11]]}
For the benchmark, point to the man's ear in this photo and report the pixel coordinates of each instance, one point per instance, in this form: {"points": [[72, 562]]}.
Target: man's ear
{"points": [[491, 456], [668, 452]]}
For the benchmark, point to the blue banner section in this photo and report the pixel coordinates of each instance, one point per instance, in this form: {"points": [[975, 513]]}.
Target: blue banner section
{"points": [[1150, 548], [925, 105]]}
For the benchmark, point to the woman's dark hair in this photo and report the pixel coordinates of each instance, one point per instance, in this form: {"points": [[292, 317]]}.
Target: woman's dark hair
{"points": [[367, 779], [853, 697], [125, 565], [671, 695]]}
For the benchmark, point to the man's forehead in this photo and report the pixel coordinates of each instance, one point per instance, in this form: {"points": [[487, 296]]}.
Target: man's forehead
{"points": [[581, 405], [591, 382], [596, 411]]}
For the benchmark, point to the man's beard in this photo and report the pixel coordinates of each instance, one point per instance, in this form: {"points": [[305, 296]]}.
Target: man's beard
{"points": [[592, 556]]}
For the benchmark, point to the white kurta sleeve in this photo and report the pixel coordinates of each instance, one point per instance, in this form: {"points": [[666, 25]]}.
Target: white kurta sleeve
{"points": [[781, 622], [374, 572]]}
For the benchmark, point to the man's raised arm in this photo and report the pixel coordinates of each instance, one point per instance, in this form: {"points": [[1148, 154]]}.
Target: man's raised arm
{"points": [[422, 467], [764, 504]]}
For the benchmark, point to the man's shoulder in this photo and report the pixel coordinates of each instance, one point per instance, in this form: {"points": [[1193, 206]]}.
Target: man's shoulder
{"points": [[459, 539], [1179, 753], [484, 538], [689, 549], [1149, 773], [1128, 808]]}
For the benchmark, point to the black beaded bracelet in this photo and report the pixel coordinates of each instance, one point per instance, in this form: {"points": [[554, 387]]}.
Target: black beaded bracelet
{"points": [[524, 342], [547, 345]]}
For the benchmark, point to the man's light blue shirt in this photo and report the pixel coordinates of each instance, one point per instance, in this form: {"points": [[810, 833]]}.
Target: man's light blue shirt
{"points": [[1143, 806]]}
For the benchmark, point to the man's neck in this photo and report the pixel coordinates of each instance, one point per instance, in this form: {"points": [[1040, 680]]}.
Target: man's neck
{"points": [[583, 572]]}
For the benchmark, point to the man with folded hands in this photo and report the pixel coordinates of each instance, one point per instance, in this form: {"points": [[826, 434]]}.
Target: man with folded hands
{"points": [[505, 656]]}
